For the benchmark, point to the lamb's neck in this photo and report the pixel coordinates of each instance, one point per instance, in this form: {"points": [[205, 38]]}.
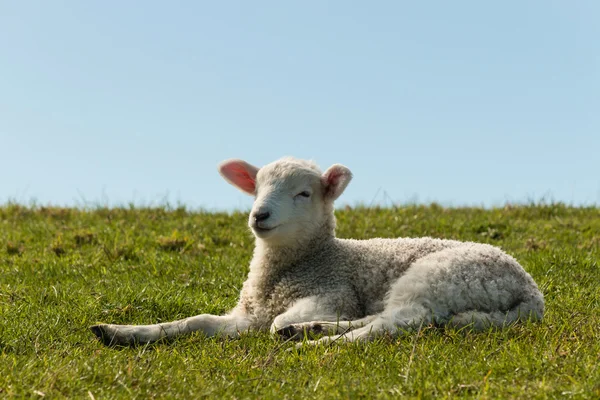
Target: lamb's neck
{"points": [[274, 259]]}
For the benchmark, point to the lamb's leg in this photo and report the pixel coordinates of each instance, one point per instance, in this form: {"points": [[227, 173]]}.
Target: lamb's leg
{"points": [[296, 319], [394, 322], [301, 330], [210, 325], [531, 309]]}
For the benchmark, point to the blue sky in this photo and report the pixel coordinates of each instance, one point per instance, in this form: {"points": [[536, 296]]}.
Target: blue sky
{"points": [[463, 103]]}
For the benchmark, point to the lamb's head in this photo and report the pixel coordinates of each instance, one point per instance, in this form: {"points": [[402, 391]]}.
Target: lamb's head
{"points": [[293, 199]]}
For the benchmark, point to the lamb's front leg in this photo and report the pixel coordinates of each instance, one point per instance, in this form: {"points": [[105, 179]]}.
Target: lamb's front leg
{"points": [[299, 331], [312, 315], [210, 325]]}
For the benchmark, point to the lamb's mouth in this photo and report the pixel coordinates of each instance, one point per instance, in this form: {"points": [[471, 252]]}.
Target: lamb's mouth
{"points": [[260, 231]]}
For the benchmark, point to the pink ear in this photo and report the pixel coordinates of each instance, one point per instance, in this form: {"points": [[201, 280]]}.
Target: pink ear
{"points": [[335, 180], [240, 174]]}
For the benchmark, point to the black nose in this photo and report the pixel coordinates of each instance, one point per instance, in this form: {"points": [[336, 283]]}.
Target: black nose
{"points": [[261, 216]]}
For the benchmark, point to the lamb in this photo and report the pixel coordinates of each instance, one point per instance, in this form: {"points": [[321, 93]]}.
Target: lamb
{"points": [[303, 280]]}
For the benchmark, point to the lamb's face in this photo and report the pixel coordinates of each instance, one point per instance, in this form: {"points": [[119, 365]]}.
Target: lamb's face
{"points": [[289, 204], [293, 200]]}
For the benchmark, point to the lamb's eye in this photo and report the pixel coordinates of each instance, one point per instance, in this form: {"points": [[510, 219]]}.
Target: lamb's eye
{"points": [[304, 194]]}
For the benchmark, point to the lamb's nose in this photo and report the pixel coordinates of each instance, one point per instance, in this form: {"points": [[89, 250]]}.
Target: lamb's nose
{"points": [[262, 216]]}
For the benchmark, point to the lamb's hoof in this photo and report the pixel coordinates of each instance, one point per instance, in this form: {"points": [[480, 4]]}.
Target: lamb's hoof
{"points": [[299, 331], [316, 329], [101, 333], [289, 332]]}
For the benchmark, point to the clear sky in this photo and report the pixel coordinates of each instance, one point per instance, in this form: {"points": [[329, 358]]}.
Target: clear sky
{"points": [[459, 102]]}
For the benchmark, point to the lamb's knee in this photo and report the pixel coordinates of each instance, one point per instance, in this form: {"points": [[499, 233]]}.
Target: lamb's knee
{"points": [[279, 323]]}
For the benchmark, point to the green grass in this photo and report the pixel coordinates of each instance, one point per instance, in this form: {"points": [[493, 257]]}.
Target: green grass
{"points": [[62, 270]]}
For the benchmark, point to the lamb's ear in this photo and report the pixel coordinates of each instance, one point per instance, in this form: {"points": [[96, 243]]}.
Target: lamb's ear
{"points": [[335, 180], [240, 174]]}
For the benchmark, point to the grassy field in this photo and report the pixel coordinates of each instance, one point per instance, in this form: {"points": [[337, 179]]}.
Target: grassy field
{"points": [[62, 270]]}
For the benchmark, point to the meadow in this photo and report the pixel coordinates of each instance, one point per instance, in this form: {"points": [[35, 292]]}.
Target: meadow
{"points": [[64, 269]]}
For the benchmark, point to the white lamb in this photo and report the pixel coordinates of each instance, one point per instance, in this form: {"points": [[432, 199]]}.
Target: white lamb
{"points": [[304, 279]]}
